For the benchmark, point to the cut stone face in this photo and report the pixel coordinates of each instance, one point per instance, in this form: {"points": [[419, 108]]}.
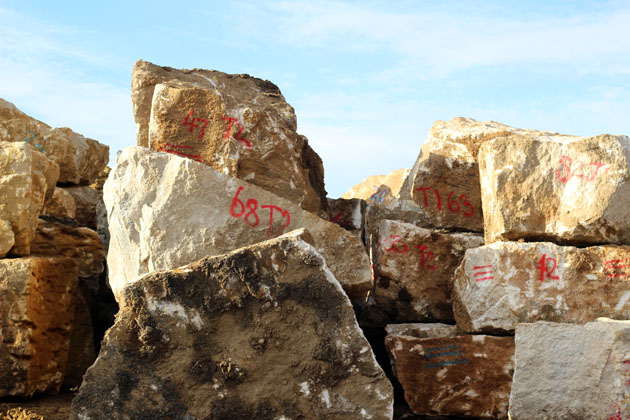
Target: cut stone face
{"points": [[504, 283], [568, 371], [166, 211], [262, 332], [565, 190], [237, 124], [26, 178], [460, 375], [37, 302], [414, 269], [444, 181], [80, 159]]}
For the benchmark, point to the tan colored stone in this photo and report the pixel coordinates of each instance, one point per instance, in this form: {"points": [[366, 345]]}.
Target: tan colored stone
{"points": [[568, 371], [444, 181], [61, 204], [564, 189], [465, 375], [38, 299], [165, 211], [86, 200], [80, 159], [504, 283], [265, 331], [25, 176], [237, 124], [368, 188], [414, 268], [7, 237]]}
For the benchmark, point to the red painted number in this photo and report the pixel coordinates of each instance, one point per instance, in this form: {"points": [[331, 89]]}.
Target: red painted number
{"points": [[544, 270], [389, 242], [249, 210], [236, 136], [190, 121], [454, 204], [426, 259], [570, 171]]}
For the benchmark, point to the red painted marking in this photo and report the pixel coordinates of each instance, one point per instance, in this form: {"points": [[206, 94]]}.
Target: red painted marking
{"points": [[484, 278], [429, 257], [236, 136], [616, 416], [393, 240], [544, 271], [625, 362], [283, 213], [482, 266], [251, 218], [617, 275], [451, 203], [483, 273], [568, 173], [192, 124], [175, 152], [613, 261]]}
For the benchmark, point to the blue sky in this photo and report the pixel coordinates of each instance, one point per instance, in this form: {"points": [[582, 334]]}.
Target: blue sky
{"points": [[367, 78]]}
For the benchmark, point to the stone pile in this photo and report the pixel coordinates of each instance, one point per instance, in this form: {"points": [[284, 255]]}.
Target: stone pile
{"points": [[50, 266]]}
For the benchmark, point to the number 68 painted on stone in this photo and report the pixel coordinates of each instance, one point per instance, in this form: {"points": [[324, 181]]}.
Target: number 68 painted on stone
{"points": [[251, 217]]}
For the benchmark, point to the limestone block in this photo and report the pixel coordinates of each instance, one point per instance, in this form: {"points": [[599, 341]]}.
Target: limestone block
{"points": [[504, 283], [37, 296], [61, 204], [80, 159], [414, 269], [25, 179], [87, 200], [460, 375], [368, 188], [165, 211], [568, 371], [240, 125], [567, 190], [265, 331]]}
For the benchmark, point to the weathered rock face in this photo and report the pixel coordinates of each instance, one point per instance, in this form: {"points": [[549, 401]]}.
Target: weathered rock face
{"points": [[571, 371], [239, 125], [25, 179], [166, 211], [414, 269], [567, 190], [61, 204], [37, 298], [264, 332], [367, 189], [87, 200], [349, 214], [464, 375], [80, 159], [504, 283], [81, 353], [428, 330], [444, 181]]}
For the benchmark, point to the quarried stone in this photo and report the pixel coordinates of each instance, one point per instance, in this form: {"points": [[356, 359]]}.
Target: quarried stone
{"points": [[347, 213], [37, 298], [263, 332], [166, 211], [424, 330], [461, 375], [61, 204], [567, 190], [504, 283], [566, 371], [414, 268], [80, 159], [26, 177], [368, 188], [87, 201], [240, 125]]}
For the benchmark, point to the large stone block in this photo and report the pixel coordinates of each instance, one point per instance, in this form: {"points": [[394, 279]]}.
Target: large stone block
{"points": [[80, 159], [458, 375], [61, 204], [504, 283], [368, 188], [37, 298], [27, 178], [444, 181], [165, 211], [568, 190], [264, 332], [414, 270], [240, 125], [568, 371]]}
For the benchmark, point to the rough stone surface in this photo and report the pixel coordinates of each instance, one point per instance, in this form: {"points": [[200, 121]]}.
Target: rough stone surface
{"points": [[237, 124], [465, 375], [444, 181], [37, 298], [368, 188], [80, 159], [7, 237], [61, 204], [25, 180], [414, 269], [264, 332], [347, 213], [567, 190], [428, 330], [568, 371], [504, 283], [165, 211], [87, 200], [81, 353]]}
